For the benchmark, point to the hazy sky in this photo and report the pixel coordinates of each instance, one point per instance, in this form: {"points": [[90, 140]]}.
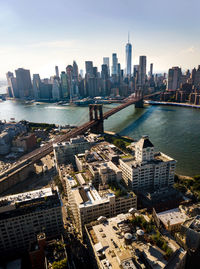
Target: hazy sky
{"points": [[39, 34]]}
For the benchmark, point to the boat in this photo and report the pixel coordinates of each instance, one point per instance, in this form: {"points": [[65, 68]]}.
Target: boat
{"points": [[84, 102]]}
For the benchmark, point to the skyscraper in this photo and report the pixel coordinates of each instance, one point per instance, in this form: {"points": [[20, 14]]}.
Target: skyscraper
{"points": [[114, 63], [107, 62], [24, 84], [174, 78], [128, 58], [142, 71], [56, 71], [12, 85], [104, 71], [89, 68], [36, 86], [64, 85], [151, 70], [75, 71], [69, 71]]}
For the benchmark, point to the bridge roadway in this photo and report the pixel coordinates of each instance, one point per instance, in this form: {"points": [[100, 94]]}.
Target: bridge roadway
{"points": [[37, 154]]}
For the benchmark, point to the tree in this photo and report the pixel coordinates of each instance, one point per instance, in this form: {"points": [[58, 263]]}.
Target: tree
{"points": [[60, 264], [39, 140]]}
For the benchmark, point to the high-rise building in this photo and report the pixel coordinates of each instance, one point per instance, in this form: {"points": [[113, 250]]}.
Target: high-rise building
{"points": [[69, 71], [151, 70], [104, 71], [147, 170], [64, 85], [174, 78], [95, 71], [36, 86], [89, 68], [24, 215], [197, 77], [119, 69], [107, 62], [56, 71], [12, 84], [75, 71], [24, 84], [135, 70], [142, 71], [56, 90], [128, 58], [114, 63]]}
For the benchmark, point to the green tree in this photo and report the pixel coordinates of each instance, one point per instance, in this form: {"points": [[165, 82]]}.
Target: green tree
{"points": [[60, 264], [39, 140]]}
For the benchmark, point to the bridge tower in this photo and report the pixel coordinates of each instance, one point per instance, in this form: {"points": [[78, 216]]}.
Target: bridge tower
{"points": [[96, 114], [139, 96]]}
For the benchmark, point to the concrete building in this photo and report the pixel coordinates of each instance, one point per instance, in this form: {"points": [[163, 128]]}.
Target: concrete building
{"points": [[142, 71], [106, 61], [89, 68], [64, 152], [24, 215], [172, 219], [147, 169], [101, 171], [87, 204], [174, 78], [56, 90], [115, 244], [64, 85], [12, 84], [4, 143], [56, 71], [36, 86], [26, 142], [191, 230], [24, 84]]}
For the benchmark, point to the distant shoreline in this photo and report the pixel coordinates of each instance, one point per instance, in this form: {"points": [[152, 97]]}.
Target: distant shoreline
{"points": [[172, 104]]}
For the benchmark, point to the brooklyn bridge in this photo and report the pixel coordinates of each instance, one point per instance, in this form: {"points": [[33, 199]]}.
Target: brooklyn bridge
{"points": [[17, 173]]}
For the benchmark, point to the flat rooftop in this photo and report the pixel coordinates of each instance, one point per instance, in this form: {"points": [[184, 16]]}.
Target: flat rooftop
{"points": [[25, 196], [109, 237], [172, 217], [158, 157], [89, 196]]}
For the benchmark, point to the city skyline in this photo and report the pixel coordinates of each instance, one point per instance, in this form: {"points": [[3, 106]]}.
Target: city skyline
{"points": [[33, 40]]}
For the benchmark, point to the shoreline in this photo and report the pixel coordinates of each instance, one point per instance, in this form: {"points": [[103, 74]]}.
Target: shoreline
{"points": [[172, 104]]}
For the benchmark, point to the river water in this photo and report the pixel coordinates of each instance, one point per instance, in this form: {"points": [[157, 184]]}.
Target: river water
{"points": [[173, 130]]}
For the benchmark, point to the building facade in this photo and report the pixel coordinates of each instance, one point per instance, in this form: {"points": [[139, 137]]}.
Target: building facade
{"points": [[142, 71], [147, 170], [128, 59], [24, 215], [64, 152]]}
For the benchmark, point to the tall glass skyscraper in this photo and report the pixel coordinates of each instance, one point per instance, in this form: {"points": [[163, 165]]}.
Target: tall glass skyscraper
{"points": [[114, 64], [128, 58]]}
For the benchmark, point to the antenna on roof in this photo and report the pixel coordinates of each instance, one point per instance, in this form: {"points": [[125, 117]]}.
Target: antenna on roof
{"points": [[128, 36]]}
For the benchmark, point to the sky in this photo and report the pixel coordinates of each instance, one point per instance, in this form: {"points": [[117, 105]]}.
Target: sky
{"points": [[39, 34]]}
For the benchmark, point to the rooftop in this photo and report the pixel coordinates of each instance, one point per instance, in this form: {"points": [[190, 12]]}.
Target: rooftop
{"points": [[113, 245], [26, 196], [88, 195], [172, 217]]}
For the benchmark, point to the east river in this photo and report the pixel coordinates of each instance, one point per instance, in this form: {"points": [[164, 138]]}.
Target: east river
{"points": [[173, 130]]}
